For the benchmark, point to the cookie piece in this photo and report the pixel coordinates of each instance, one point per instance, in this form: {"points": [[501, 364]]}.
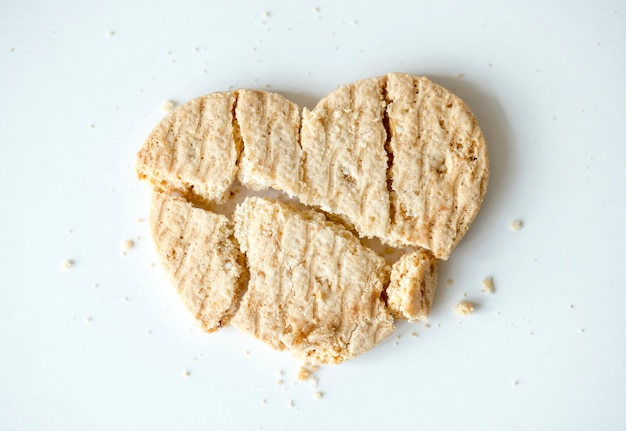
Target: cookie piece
{"points": [[199, 253], [412, 286], [314, 289], [194, 149], [269, 126], [440, 168], [345, 162]]}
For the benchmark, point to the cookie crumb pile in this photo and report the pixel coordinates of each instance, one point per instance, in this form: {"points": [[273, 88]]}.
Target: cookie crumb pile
{"points": [[396, 158]]}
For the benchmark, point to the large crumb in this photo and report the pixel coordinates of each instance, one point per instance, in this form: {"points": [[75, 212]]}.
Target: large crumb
{"points": [[306, 371], [516, 225], [464, 308], [488, 286], [167, 106]]}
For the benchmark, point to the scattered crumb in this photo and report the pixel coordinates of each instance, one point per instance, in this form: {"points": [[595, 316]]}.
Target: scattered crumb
{"points": [[514, 383], [167, 106], [516, 225], [464, 294], [124, 299], [140, 220], [316, 9], [581, 330], [464, 308], [460, 75], [488, 285], [91, 126], [88, 319], [11, 49], [148, 332], [531, 333], [317, 395], [279, 382], [304, 373], [571, 306], [151, 264], [279, 373], [263, 401], [398, 337], [186, 373], [266, 14], [414, 334], [110, 34], [95, 285], [426, 325], [67, 264], [314, 381], [449, 282], [290, 403], [247, 352], [128, 244]]}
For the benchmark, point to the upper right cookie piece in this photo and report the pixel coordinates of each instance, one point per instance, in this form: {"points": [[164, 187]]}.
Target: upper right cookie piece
{"points": [[438, 164], [407, 161]]}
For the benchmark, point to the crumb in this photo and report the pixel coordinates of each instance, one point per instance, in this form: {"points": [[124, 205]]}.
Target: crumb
{"points": [[186, 373], [128, 244], [151, 264], [11, 49], [464, 308], [95, 285], [290, 403], [314, 381], [67, 264], [464, 294], [91, 126], [247, 352], [488, 285], [398, 337], [304, 373], [140, 220], [514, 383], [516, 225], [266, 14], [449, 282], [316, 9], [279, 382], [460, 75], [581, 330], [571, 306], [148, 332], [263, 401], [110, 34], [317, 395], [531, 333], [426, 325], [414, 334], [167, 106], [88, 319], [124, 299]]}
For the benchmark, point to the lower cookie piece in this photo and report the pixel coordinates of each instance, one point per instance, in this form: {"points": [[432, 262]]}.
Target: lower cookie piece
{"points": [[198, 251], [313, 289]]}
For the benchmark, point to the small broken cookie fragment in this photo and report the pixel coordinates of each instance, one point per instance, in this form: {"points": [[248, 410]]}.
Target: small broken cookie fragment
{"points": [[198, 251], [464, 308], [314, 289], [488, 286], [412, 287], [193, 149]]}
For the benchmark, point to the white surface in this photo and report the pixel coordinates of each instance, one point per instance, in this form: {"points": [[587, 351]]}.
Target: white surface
{"points": [[545, 80]]}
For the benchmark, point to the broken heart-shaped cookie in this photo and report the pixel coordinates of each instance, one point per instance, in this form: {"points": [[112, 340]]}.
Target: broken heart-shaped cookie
{"points": [[395, 158]]}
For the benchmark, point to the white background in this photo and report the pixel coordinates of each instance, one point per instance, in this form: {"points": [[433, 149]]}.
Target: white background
{"points": [[104, 345]]}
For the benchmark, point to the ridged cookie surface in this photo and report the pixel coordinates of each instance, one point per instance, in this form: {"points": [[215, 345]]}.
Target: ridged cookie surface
{"points": [[198, 251], [314, 289]]}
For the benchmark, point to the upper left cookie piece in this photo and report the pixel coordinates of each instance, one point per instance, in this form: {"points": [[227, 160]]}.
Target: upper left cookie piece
{"points": [[194, 149]]}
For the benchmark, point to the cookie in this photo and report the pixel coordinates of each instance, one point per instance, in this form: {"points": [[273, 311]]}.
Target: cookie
{"points": [[412, 285], [314, 289], [396, 158], [198, 251]]}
